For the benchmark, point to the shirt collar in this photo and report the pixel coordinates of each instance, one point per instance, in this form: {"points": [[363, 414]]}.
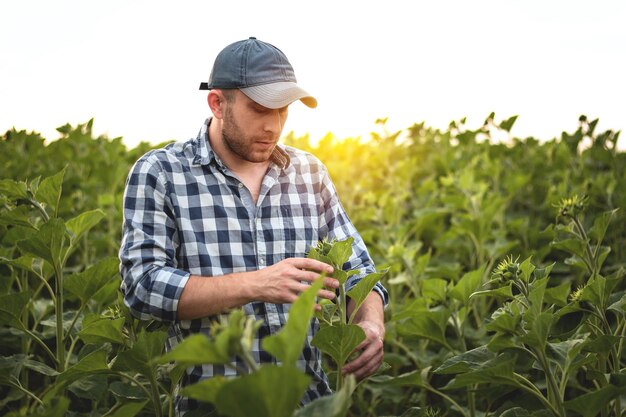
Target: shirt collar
{"points": [[204, 154]]}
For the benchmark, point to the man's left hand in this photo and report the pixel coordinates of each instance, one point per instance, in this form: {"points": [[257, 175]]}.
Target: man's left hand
{"points": [[371, 351]]}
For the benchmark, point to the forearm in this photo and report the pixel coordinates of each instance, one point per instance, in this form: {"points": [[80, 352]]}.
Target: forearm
{"points": [[372, 310], [208, 296]]}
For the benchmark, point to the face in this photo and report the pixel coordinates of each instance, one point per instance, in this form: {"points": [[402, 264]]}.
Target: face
{"points": [[250, 131]]}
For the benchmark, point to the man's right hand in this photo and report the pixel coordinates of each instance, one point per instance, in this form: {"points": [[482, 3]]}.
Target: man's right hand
{"points": [[285, 281], [280, 283]]}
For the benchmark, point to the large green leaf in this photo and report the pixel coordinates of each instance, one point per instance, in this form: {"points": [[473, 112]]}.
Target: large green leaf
{"points": [[13, 190], [47, 243], [429, 324], [338, 341], [467, 285], [98, 330], [539, 330], [49, 190], [86, 284], [11, 366], [287, 344], [256, 394], [146, 349], [362, 289], [82, 223], [11, 308], [589, 405], [340, 252], [505, 292], [495, 371], [335, 405], [600, 226], [92, 363], [205, 390], [413, 378], [471, 360], [435, 289], [195, 349]]}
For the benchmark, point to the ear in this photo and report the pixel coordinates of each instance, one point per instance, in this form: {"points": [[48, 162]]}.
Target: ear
{"points": [[216, 100]]}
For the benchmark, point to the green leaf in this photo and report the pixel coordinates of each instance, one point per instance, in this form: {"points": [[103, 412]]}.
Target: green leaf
{"points": [[338, 341], [601, 344], [538, 330], [86, 284], [287, 344], [205, 390], [335, 405], [362, 289], [427, 324], [595, 291], [516, 412], [92, 363], [125, 391], [600, 226], [194, 350], [468, 361], [145, 350], [496, 371], [501, 292], [558, 295], [82, 223], [467, 285], [413, 378], [130, 409], [47, 243], [56, 407], [14, 190], [11, 366], [435, 289], [527, 269], [259, 391], [340, 252], [589, 405], [99, 330], [619, 306], [573, 246], [49, 190], [508, 123], [505, 319], [11, 308]]}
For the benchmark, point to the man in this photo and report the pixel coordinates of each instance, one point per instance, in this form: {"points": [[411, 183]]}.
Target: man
{"points": [[226, 220]]}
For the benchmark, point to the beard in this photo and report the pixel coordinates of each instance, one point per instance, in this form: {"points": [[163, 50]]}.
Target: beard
{"points": [[248, 148]]}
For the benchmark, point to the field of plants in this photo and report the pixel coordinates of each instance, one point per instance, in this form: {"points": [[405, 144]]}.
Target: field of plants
{"points": [[504, 261]]}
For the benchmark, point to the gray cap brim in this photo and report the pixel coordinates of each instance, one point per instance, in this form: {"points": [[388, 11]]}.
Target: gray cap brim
{"points": [[278, 95]]}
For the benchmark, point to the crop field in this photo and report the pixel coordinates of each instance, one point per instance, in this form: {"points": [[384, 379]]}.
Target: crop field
{"points": [[504, 261]]}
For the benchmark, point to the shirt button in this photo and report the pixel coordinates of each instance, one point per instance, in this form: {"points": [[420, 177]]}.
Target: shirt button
{"points": [[261, 261], [241, 185]]}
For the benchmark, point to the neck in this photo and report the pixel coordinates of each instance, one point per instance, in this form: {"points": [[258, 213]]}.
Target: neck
{"points": [[234, 162]]}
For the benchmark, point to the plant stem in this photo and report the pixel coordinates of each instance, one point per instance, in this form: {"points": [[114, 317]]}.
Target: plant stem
{"points": [[59, 319], [25, 391], [156, 399]]}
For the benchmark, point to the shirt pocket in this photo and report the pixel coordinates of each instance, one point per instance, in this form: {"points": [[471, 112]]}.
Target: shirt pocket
{"points": [[300, 229]]}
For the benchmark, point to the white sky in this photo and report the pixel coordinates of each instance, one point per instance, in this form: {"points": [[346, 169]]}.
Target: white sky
{"points": [[135, 66]]}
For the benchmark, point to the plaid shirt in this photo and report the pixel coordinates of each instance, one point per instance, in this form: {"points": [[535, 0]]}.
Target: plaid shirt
{"points": [[186, 213]]}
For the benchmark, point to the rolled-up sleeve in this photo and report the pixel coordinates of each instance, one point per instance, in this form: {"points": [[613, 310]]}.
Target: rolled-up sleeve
{"points": [[335, 224], [151, 283]]}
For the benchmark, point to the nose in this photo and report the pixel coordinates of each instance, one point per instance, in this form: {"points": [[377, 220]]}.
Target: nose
{"points": [[275, 121]]}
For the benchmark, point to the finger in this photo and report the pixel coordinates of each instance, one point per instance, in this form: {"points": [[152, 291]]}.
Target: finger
{"points": [[363, 366], [329, 295], [331, 283], [312, 264]]}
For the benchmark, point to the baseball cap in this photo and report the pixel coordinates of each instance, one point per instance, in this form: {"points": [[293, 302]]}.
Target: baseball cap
{"points": [[261, 71]]}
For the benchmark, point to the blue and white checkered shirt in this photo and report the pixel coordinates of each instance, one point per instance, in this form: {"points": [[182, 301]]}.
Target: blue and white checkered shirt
{"points": [[186, 213]]}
